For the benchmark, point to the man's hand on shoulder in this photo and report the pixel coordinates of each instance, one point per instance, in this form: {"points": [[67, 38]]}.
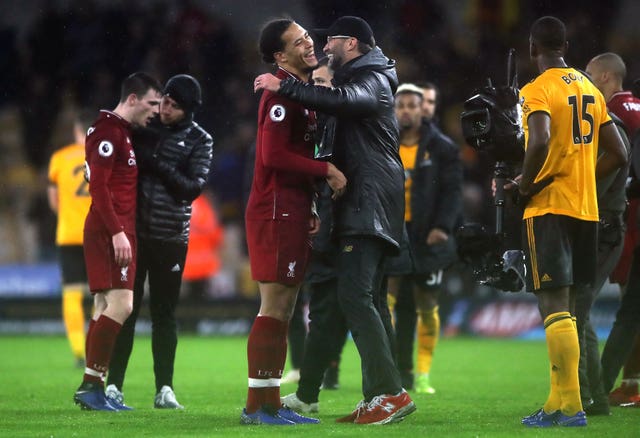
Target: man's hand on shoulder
{"points": [[266, 81]]}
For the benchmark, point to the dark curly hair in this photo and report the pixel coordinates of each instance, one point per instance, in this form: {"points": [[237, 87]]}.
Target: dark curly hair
{"points": [[271, 38]]}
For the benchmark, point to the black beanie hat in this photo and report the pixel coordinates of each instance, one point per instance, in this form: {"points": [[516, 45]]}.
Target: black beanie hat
{"points": [[185, 90]]}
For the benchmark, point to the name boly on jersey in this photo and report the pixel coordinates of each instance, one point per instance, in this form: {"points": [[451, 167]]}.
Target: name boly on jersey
{"points": [[570, 77]]}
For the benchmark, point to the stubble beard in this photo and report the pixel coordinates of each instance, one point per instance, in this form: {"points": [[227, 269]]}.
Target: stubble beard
{"points": [[335, 62]]}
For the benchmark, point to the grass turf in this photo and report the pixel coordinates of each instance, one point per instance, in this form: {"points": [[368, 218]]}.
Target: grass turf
{"points": [[484, 387]]}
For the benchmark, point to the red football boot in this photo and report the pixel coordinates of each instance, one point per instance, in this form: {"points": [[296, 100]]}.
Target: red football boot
{"points": [[624, 394], [387, 408]]}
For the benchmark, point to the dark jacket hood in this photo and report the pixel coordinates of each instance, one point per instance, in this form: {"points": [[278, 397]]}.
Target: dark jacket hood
{"points": [[374, 60]]}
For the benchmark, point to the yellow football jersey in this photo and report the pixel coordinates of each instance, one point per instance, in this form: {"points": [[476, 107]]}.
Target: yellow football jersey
{"points": [[66, 171], [577, 110], [408, 157]]}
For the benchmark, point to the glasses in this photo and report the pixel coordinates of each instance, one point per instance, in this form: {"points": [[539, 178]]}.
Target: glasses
{"points": [[337, 37]]}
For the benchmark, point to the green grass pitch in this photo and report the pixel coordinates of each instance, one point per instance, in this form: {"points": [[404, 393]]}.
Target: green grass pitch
{"points": [[484, 387]]}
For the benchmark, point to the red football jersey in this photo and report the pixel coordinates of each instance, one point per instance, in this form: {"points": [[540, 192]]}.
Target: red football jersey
{"points": [[626, 106], [113, 175], [284, 168]]}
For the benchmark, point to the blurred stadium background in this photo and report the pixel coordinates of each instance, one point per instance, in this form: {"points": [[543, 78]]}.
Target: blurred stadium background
{"points": [[60, 56]]}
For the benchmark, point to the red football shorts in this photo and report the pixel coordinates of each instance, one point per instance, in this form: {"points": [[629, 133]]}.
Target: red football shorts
{"points": [[278, 250], [102, 271]]}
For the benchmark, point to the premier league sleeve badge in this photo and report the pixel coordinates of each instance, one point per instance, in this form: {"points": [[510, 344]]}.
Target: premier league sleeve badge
{"points": [[277, 113]]}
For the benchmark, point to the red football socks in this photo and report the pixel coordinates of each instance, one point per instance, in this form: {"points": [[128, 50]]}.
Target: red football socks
{"points": [[92, 323], [100, 340], [266, 355]]}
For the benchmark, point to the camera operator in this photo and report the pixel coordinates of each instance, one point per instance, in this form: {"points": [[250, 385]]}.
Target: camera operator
{"points": [[608, 71], [611, 206]]}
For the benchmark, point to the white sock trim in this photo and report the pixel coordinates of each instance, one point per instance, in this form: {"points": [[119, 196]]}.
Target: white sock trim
{"points": [[92, 372], [263, 383]]}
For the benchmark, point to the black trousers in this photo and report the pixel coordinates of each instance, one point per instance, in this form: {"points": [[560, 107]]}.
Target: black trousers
{"points": [[609, 250], [363, 301], [325, 340], [163, 263], [625, 328], [406, 321], [297, 332]]}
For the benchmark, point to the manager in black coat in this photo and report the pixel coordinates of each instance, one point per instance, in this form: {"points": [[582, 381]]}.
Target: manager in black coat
{"points": [[368, 218]]}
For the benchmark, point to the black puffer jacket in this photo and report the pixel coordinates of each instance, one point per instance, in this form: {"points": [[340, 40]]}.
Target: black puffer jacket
{"points": [[365, 144], [436, 197], [174, 164]]}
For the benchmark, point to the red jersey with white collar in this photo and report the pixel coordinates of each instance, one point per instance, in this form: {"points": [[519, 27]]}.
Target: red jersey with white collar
{"points": [[284, 169], [626, 106], [113, 175]]}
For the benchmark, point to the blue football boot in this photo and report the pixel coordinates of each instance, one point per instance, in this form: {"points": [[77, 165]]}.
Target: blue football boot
{"points": [[294, 417], [90, 396], [541, 419], [262, 416], [577, 420]]}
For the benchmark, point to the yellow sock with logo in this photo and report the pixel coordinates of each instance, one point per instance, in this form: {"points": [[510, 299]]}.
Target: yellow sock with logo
{"points": [[554, 401], [428, 335], [564, 355], [73, 315], [391, 302]]}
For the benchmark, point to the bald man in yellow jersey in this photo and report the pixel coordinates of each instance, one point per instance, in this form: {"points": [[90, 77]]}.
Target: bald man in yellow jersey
{"points": [[565, 120], [69, 198]]}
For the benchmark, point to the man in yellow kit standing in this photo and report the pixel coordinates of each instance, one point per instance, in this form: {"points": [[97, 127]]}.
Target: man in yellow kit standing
{"points": [[565, 120], [69, 198]]}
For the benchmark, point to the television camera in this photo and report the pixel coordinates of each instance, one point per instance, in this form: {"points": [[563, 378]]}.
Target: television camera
{"points": [[492, 123]]}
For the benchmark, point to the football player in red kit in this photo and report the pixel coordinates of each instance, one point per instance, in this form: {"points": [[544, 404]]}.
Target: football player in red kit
{"points": [[279, 218], [109, 229]]}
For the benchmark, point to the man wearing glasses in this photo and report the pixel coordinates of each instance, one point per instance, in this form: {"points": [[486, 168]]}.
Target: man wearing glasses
{"points": [[369, 216]]}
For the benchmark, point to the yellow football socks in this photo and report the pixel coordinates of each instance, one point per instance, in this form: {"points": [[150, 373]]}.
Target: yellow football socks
{"points": [[564, 355], [428, 335], [391, 302], [73, 315], [554, 402]]}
